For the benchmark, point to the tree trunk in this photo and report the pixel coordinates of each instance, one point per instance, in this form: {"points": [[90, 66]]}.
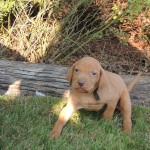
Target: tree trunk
{"points": [[23, 78]]}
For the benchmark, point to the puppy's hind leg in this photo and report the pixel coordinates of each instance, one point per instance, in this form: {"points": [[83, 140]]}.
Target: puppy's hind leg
{"points": [[125, 105]]}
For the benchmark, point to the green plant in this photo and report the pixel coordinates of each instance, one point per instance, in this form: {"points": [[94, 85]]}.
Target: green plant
{"points": [[5, 8], [131, 22]]}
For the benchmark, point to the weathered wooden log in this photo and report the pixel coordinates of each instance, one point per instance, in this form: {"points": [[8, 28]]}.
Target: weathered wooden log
{"points": [[25, 78]]}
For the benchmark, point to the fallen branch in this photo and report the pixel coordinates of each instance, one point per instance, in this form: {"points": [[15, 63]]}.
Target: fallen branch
{"points": [[22, 78]]}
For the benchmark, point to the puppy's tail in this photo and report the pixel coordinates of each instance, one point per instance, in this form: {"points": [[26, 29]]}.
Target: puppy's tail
{"points": [[131, 85]]}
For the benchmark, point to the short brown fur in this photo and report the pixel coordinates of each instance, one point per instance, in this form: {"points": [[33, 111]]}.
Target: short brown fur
{"points": [[85, 76]]}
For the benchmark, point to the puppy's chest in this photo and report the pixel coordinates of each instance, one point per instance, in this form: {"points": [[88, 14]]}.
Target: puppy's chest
{"points": [[91, 104]]}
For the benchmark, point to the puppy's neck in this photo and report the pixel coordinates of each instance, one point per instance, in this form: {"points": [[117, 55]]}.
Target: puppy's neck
{"points": [[96, 95]]}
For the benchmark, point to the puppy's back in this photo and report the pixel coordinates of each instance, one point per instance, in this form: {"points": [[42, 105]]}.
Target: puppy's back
{"points": [[116, 82]]}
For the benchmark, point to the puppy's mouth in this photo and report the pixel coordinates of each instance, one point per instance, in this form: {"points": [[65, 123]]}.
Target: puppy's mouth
{"points": [[83, 90]]}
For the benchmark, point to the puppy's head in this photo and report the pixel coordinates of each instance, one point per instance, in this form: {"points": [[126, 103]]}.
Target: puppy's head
{"points": [[86, 75]]}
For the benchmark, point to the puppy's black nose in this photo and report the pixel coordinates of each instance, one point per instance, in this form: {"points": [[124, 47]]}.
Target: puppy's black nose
{"points": [[81, 82]]}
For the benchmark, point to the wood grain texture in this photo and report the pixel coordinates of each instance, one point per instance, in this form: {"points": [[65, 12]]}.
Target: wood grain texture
{"points": [[23, 78]]}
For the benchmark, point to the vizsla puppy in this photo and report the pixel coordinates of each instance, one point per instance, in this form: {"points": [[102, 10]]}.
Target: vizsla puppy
{"points": [[91, 88]]}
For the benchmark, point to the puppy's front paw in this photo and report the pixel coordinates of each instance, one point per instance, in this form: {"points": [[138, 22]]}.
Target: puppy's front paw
{"points": [[127, 129], [127, 123], [55, 134], [107, 116]]}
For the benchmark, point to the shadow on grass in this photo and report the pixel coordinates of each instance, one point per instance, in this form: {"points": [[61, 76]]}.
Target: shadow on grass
{"points": [[26, 123]]}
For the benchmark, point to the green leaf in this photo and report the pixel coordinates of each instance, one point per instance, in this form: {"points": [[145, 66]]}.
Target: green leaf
{"points": [[115, 8]]}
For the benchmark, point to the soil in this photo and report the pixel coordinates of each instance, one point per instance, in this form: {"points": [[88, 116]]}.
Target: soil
{"points": [[116, 56]]}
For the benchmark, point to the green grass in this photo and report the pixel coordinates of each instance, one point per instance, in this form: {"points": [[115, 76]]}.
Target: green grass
{"points": [[26, 124]]}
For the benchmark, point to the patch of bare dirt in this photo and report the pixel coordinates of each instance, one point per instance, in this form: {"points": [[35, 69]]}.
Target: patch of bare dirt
{"points": [[116, 56]]}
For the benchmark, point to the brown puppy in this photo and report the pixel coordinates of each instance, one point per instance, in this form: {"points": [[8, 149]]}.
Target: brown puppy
{"points": [[92, 88]]}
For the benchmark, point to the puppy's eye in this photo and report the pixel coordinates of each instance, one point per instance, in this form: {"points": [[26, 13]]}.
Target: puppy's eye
{"points": [[76, 70], [93, 73]]}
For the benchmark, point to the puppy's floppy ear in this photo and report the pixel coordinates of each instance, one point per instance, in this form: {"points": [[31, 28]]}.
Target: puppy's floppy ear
{"points": [[70, 73], [103, 81]]}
